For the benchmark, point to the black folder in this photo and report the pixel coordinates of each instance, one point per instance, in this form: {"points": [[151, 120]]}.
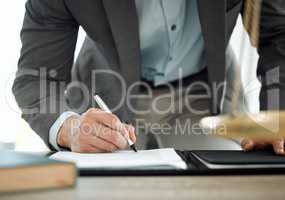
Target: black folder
{"points": [[210, 163], [235, 162]]}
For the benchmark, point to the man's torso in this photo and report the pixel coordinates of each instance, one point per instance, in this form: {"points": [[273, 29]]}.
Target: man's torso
{"points": [[114, 43]]}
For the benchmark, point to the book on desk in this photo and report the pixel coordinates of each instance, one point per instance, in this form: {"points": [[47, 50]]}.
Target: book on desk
{"points": [[28, 172]]}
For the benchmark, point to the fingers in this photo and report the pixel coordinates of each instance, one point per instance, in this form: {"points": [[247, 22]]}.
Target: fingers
{"points": [[131, 131], [100, 131], [278, 146], [98, 139], [107, 119], [96, 131], [113, 122], [86, 148], [103, 145], [247, 144], [112, 136]]}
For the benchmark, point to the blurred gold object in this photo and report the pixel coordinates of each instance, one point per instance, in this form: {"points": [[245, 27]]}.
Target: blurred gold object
{"points": [[264, 125], [251, 20]]}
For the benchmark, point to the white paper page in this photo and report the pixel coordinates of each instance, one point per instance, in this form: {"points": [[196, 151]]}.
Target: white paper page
{"points": [[159, 158]]}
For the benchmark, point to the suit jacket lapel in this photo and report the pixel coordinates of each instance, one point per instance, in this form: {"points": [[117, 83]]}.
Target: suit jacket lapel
{"points": [[213, 21], [123, 20]]}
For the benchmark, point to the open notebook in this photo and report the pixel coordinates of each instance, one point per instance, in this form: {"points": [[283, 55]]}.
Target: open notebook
{"points": [[149, 159]]}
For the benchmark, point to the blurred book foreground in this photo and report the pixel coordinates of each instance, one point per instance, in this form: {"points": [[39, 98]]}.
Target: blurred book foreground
{"points": [[23, 172]]}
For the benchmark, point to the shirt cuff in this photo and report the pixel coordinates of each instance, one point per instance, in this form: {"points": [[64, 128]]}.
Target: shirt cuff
{"points": [[54, 130]]}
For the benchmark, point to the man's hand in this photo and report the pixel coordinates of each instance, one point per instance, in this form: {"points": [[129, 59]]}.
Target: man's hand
{"points": [[95, 131], [251, 144]]}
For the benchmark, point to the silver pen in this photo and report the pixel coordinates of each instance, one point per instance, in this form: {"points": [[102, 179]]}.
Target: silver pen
{"points": [[105, 108]]}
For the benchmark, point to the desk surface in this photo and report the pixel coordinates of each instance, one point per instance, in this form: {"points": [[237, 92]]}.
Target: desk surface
{"points": [[190, 187]]}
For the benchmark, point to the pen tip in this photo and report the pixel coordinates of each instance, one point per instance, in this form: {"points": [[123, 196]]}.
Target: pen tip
{"points": [[133, 147]]}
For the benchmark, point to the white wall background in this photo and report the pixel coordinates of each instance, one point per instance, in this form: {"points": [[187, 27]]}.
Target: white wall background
{"points": [[14, 129]]}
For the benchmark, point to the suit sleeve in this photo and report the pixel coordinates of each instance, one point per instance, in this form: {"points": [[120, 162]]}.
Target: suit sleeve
{"points": [[271, 65], [48, 36]]}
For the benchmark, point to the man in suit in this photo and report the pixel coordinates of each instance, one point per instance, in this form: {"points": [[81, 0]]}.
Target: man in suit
{"points": [[162, 45]]}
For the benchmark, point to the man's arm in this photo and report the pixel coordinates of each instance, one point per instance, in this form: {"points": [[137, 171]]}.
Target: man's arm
{"points": [[271, 67], [48, 36]]}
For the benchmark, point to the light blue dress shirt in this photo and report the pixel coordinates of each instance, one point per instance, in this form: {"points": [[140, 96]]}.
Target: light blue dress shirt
{"points": [[170, 39], [171, 44]]}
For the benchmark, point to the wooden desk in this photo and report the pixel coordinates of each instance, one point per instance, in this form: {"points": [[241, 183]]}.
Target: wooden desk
{"points": [[190, 187]]}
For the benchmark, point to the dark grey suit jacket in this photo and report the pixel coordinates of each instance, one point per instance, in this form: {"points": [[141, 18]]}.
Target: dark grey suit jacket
{"points": [[49, 38]]}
